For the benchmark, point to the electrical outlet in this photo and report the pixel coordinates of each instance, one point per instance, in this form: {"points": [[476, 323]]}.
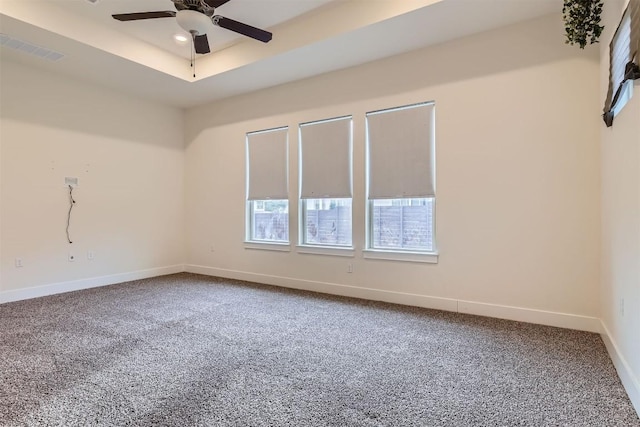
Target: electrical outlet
{"points": [[622, 307], [349, 268], [212, 248], [90, 255], [18, 262], [71, 257]]}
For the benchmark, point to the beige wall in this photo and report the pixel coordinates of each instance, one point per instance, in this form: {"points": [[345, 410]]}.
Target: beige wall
{"points": [[620, 150], [518, 201], [129, 158]]}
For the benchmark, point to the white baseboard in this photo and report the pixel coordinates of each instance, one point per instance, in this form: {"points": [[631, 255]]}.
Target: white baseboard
{"points": [[561, 320], [540, 317], [445, 304], [520, 314], [630, 382], [92, 282]]}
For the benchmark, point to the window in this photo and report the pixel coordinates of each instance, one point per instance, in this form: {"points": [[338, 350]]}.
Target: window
{"points": [[267, 186], [624, 57], [325, 182], [401, 179], [269, 220], [327, 222], [403, 224]]}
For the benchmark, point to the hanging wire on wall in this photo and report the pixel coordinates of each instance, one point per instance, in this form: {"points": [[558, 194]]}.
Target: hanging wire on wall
{"points": [[71, 204]]}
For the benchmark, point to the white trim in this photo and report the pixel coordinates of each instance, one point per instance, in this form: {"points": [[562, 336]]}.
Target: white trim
{"points": [[92, 282], [426, 257], [529, 315], [561, 320], [630, 382], [326, 250], [437, 303], [280, 247]]}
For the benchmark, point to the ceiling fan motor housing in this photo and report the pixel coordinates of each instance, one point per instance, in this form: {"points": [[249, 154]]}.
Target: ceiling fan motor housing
{"points": [[194, 22], [198, 5]]}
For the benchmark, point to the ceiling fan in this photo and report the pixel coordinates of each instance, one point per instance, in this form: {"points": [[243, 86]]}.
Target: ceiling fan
{"points": [[196, 17]]}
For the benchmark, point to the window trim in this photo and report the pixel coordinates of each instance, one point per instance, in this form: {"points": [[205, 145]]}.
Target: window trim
{"points": [[339, 251], [401, 255], [276, 139], [317, 132], [267, 246]]}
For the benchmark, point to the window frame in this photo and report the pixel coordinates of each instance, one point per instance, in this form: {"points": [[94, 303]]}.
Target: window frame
{"points": [[250, 241], [399, 254], [304, 246]]}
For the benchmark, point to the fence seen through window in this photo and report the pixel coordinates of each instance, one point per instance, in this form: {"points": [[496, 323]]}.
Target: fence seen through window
{"points": [[405, 224], [327, 222], [270, 220]]}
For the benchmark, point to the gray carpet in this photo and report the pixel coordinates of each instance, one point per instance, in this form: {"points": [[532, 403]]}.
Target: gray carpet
{"points": [[189, 350]]}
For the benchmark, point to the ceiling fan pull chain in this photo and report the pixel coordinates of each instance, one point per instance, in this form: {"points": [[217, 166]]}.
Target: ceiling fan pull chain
{"points": [[193, 54]]}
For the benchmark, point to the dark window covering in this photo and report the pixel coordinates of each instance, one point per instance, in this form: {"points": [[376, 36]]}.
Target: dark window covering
{"points": [[622, 53]]}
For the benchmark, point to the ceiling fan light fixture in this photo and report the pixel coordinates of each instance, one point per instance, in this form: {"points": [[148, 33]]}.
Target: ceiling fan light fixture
{"points": [[194, 22], [181, 38]]}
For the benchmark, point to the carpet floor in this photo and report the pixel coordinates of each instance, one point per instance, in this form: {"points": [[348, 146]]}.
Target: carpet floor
{"points": [[189, 350]]}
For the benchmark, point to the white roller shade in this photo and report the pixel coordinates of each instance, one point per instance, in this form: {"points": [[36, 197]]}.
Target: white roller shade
{"points": [[401, 152], [267, 165], [325, 159]]}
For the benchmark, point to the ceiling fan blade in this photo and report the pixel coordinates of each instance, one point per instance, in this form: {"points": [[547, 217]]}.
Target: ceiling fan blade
{"points": [[201, 44], [144, 15], [215, 3], [244, 29]]}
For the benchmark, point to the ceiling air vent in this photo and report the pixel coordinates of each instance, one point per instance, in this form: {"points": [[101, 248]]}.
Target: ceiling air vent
{"points": [[29, 48]]}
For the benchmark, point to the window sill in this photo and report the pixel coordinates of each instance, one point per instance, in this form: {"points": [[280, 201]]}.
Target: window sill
{"points": [[326, 250], [268, 246], [405, 256]]}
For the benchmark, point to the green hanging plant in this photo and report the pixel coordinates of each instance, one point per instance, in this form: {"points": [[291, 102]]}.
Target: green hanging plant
{"points": [[582, 21]]}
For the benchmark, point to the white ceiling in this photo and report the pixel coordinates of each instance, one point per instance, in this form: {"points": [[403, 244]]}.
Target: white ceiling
{"points": [[310, 37], [160, 32]]}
